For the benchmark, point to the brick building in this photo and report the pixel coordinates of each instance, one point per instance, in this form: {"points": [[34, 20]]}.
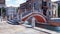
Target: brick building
{"points": [[38, 11], [42, 6]]}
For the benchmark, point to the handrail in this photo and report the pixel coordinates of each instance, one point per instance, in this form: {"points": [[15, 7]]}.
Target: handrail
{"points": [[27, 15]]}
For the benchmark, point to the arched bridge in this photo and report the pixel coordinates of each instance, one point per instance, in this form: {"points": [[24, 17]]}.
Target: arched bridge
{"points": [[38, 17]]}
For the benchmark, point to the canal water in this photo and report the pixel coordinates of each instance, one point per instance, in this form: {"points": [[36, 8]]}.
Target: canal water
{"points": [[46, 26], [53, 28], [57, 29]]}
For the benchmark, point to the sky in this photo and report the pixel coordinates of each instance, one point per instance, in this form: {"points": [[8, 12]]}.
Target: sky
{"points": [[16, 3]]}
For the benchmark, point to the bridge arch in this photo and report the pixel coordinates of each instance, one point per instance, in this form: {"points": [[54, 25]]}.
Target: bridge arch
{"points": [[39, 18]]}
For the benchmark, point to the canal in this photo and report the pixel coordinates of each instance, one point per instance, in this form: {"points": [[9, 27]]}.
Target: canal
{"points": [[57, 29]]}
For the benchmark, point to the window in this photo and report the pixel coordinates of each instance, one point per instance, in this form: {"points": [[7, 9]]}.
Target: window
{"points": [[49, 4], [44, 11], [44, 3], [49, 13]]}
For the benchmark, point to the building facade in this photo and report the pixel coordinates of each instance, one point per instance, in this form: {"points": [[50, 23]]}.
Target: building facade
{"points": [[55, 10], [11, 12], [2, 5], [42, 6]]}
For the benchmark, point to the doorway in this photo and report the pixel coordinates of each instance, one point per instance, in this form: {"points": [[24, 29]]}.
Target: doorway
{"points": [[44, 11], [0, 11]]}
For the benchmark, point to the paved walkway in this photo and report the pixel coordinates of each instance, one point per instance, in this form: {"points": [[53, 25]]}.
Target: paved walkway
{"points": [[6, 28]]}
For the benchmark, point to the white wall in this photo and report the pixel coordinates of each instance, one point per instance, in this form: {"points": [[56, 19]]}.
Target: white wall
{"points": [[11, 10]]}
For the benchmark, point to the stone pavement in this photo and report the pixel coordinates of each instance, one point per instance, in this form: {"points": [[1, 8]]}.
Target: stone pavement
{"points": [[6, 28]]}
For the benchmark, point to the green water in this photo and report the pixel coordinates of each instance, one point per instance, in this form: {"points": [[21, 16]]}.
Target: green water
{"points": [[57, 29]]}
